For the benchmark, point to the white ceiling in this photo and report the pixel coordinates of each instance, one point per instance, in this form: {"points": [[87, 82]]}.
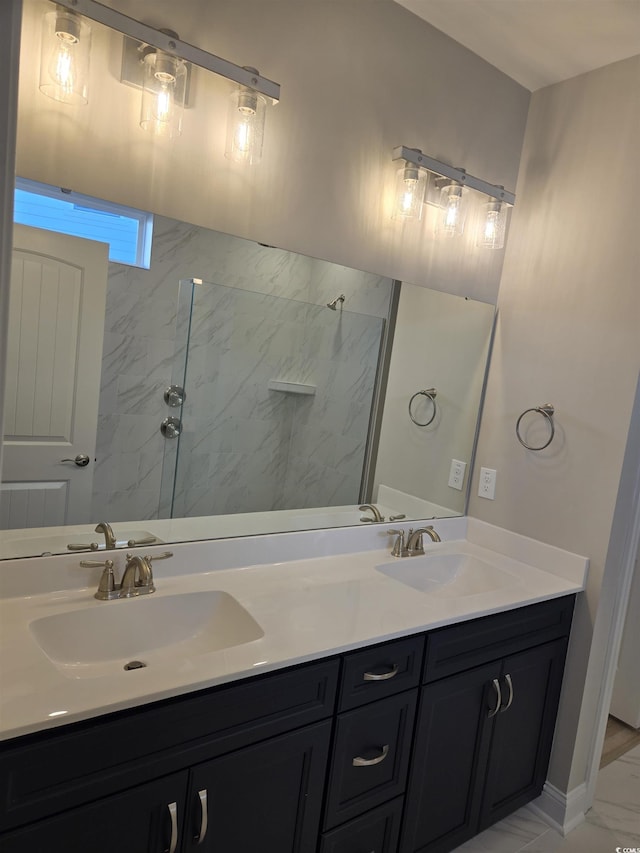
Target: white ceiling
{"points": [[538, 42]]}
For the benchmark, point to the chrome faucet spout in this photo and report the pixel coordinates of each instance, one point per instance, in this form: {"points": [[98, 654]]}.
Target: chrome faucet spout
{"points": [[137, 578], [377, 516], [414, 543], [109, 537]]}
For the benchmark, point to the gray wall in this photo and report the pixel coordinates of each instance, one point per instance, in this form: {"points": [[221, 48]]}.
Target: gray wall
{"points": [[357, 79], [441, 341], [568, 333]]}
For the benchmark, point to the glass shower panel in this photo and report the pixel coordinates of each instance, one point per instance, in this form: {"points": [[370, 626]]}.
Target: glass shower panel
{"points": [[278, 402]]}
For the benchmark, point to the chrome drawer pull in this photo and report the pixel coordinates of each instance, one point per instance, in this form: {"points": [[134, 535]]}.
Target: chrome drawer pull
{"points": [[507, 678], [204, 818], [369, 762], [496, 685], [173, 814], [371, 676]]}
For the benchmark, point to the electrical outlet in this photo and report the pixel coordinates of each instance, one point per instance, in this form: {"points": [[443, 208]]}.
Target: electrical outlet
{"points": [[487, 485], [456, 474]]}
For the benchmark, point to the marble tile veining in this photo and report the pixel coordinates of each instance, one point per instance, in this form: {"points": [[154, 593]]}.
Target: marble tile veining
{"points": [[260, 314]]}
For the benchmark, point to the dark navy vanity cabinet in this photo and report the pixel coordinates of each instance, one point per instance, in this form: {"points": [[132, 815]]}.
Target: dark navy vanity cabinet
{"points": [[409, 746]]}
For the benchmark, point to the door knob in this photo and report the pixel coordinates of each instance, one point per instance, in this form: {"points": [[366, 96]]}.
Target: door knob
{"points": [[81, 460]]}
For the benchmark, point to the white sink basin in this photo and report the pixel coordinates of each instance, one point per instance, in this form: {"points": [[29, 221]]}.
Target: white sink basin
{"points": [[448, 575], [102, 638]]}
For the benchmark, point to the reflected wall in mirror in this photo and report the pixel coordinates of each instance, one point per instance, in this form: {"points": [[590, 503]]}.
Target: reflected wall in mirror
{"points": [[256, 454]]}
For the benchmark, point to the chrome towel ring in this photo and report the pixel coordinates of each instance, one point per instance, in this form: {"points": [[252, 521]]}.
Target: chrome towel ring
{"points": [[431, 394], [546, 410]]}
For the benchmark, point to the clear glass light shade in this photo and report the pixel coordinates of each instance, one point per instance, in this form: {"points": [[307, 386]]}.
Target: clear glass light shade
{"points": [[64, 57], [163, 94], [411, 183], [493, 223], [453, 210], [245, 126]]}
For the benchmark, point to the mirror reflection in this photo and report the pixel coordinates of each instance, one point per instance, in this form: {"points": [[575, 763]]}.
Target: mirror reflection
{"points": [[296, 375]]}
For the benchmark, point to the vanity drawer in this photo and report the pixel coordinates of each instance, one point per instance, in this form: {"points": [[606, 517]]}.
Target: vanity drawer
{"points": [[479, 641], [57, 770], [376, 831], [380, 671], [370, 757]]}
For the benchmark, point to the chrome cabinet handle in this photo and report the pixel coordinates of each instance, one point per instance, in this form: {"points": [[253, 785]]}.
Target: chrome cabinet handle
{"points": [[371, 676], [81, 460], [204, 818], [507, 678], [173, 814], [496, 685], [369, 762]]}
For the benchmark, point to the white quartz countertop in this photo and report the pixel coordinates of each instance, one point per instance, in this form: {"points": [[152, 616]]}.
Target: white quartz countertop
{"points": [[307, 609]]}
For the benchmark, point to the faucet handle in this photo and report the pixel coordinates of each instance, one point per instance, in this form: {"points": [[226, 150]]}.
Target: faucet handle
{"points": [[148, 540], [399, 548], [164, 556], [96, 564], [80, 546], [107, 588]]}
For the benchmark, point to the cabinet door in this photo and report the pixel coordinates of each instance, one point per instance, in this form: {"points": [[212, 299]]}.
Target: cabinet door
{"points": [[449, 758], [263, 798], [523, 732], [146, 819]]}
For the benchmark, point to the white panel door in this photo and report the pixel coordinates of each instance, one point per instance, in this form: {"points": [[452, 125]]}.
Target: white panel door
{"points": [[56, 329]]}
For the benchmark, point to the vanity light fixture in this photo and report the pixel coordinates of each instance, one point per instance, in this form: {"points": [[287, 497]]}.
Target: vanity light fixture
{"points": [[64, 56], [164, 79], [166, 61], [493, 224], [453, 208], [245, 123], [411, 184], [448, 191]]}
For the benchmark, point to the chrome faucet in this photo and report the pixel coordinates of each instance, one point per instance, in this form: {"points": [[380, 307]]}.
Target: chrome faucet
{"points": [[414, 545], [373, 509], [109, 538], [136, 580], [414, 542]]}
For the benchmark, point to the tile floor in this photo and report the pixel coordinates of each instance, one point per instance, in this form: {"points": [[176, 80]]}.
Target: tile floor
{"points": [[613, 823]]}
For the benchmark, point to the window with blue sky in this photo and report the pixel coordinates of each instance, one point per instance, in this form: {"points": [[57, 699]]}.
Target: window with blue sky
{"points": [[127, 231]]}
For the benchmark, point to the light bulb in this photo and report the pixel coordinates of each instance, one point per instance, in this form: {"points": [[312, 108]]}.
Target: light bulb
{"points": [[453, 210], [64, 59], [245, 124], [163, 93], [410, 189], [493, 225]]}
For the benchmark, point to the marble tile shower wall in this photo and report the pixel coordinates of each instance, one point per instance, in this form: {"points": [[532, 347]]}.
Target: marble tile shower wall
{"points": [[140, 348], [246, 447]]}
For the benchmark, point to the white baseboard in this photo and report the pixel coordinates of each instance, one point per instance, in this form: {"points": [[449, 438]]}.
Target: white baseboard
{"points": [[563, 812]]}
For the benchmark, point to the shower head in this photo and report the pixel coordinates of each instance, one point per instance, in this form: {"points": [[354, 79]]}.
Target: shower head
{"points": [[334, 302]]}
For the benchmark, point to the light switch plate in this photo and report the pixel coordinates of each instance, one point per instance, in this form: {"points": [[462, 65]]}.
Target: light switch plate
{"points": [[456, 474], [487, 485]]}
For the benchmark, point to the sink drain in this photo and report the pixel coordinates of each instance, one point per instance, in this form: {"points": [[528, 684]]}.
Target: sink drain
{"points": [[134, 664]]}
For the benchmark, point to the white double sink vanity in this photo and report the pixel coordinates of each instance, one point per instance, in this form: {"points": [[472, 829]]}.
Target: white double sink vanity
{"points": [[239, 625]]}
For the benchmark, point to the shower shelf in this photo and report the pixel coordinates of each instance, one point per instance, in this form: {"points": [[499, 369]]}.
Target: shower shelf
{"points": [[291, 387]]}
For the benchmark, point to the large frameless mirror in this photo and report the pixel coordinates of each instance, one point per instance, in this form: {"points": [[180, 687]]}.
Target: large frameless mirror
{"points": [[229, 389]]}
